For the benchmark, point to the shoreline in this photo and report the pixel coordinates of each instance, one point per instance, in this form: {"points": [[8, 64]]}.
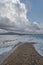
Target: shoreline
{"points": [[24, 54], [6, 54]]}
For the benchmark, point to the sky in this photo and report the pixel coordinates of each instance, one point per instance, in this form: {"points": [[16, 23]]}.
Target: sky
{"points": [[24, 16]]}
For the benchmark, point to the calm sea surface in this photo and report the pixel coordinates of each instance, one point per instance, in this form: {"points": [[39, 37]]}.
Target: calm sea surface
{"points": [[7, 42]]}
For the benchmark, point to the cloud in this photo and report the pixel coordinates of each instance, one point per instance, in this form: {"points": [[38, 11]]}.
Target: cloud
{"points": [[13, 17], [36, 26], [2, 31], [28, 5]]}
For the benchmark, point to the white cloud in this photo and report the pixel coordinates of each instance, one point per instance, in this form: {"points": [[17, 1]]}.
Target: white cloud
{"points": [[2, 31], [37, 27], [28, 5], [13, 17]]}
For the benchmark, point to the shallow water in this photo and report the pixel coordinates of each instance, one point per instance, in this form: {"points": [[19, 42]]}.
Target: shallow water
{"points": [[7, 42], [3, 50]]}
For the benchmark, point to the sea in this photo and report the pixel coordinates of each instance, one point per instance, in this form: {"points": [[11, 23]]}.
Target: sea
{"points": [[8, 42]]}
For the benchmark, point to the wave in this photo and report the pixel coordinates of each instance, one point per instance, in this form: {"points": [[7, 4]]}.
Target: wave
{"points": [[13, 40]]}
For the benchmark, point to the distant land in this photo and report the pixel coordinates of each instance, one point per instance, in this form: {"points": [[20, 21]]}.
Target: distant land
{"points": [[13, 33]]}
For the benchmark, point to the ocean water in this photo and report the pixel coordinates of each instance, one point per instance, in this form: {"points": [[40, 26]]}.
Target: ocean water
{"points": [[7, 42]]}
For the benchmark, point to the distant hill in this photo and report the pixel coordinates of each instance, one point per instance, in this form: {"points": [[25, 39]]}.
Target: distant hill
{"points": [[12, 33]]}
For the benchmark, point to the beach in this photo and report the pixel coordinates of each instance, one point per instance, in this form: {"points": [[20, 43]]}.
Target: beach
{"points": [[24, 54]]}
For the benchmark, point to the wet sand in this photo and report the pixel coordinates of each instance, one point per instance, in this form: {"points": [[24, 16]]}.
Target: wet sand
{"points": [[25, 54]]}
